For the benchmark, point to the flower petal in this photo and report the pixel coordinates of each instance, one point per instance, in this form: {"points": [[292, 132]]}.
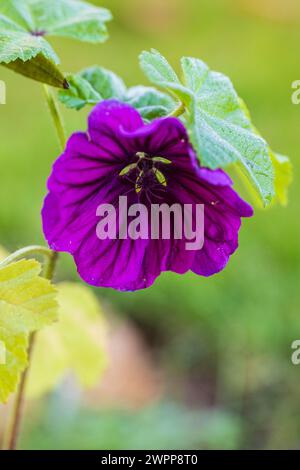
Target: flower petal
{"points": [[223, 209], [105, 123], [214, 256], [118, 264]]}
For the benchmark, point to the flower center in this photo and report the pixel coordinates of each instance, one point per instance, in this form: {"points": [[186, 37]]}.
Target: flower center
{"points": [[147, 175]]}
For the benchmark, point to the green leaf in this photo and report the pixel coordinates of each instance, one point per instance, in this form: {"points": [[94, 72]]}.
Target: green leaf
{"points": [[105, 82], [24, 46], [157, 68], [221, 131], [90, 86], [94, 84], [75, 344], [79, 94], [27, 303], [159, 71], [25, 23], [70, 18], [214, 93], [219, 126], [283, 176], [220, 143], [150, 102], [40, 69]]}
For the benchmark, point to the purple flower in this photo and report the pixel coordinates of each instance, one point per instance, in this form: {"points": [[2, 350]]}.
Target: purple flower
{"points": [[153, 163]]}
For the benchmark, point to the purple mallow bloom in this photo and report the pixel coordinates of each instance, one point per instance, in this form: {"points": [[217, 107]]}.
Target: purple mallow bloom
{"points": [[116, 157]]}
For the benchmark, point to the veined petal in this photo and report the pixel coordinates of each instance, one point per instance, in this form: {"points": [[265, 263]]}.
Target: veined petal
{"points": [[105, 123], [155, 163]]}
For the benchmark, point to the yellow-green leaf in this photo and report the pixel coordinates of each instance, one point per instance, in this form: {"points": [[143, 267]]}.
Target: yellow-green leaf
{"points": [[75, 344], [13, 361], [27, 303], [22, 286]]}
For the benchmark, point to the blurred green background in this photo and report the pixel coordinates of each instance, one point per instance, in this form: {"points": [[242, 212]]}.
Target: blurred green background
{"points": [[208, 361]]}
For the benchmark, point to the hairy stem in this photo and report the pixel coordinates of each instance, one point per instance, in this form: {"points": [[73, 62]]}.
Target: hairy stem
{"points": [[56, 115], [14, 426], [26, 252], [13, 429]]}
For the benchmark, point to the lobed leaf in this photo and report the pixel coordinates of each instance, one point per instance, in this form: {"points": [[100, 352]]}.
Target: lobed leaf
{"points": [[150, 102], [24, 46], [91, 86], [27, 303], [160, 72], [13, 363], [218, 122], [220, 143], [75, 19], [79, 93], [105, 82], [95, 84], [24, 24]]}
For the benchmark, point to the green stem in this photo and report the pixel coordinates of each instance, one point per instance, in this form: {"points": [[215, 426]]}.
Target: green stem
{"points": [[13, 429], [56, 116], [14, 426], [178, 111], [26, 252], [49, 267]]}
